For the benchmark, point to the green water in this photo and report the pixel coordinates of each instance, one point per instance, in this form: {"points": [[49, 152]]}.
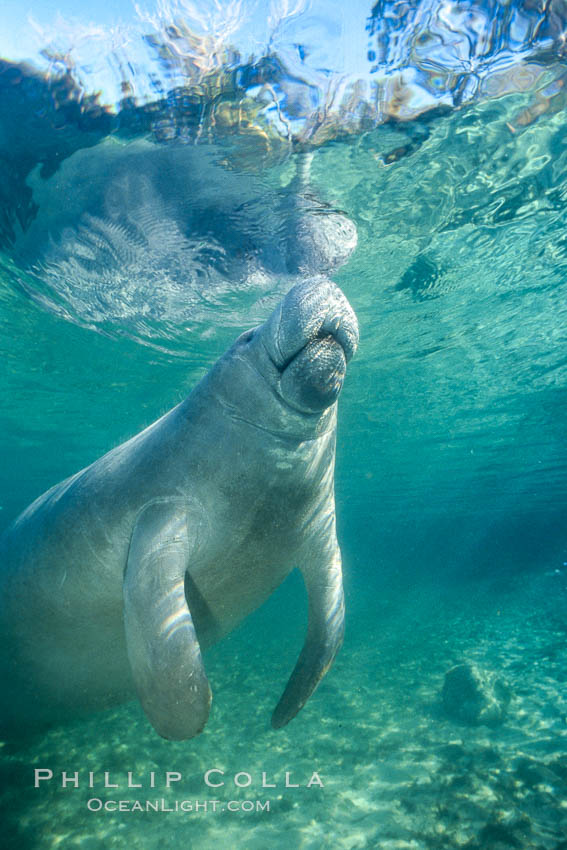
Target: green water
{"points": [[451, 497]]}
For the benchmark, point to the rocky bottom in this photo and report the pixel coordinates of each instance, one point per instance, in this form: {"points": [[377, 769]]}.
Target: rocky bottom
{"points": [[392, 769]]}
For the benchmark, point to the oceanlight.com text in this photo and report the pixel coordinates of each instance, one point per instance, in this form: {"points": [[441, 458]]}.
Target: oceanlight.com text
{"points": [[95, 804]]}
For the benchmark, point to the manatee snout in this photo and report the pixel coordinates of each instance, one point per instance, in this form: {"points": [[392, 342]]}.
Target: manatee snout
{"points": [[311, 337], [314, 378]]}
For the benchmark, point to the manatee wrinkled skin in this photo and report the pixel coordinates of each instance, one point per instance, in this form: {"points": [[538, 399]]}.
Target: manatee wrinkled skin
{"points": [[114, 581]]}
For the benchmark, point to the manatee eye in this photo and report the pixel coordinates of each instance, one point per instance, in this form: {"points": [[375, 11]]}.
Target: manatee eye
{"points": [[247, 337]]}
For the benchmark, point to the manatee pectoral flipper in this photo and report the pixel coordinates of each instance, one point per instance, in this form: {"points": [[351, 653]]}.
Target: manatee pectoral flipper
{"points": [[163, 648], [325, 632]]}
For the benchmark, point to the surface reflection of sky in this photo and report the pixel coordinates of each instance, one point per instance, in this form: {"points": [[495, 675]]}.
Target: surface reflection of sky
{"points": [[434, 51], [321, 32]]}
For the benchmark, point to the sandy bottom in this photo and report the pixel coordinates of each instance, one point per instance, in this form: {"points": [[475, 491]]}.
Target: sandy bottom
{"points": [[396, 772]]}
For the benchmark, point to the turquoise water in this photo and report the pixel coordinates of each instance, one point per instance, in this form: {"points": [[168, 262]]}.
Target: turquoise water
{"points": [[148, 252]]}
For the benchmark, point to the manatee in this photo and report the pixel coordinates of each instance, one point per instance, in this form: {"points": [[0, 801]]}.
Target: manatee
{"points": [[115, 581]]}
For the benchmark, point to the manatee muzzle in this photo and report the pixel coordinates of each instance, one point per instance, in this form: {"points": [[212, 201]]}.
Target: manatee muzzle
{"points": [[314, 378], [311, 337]]}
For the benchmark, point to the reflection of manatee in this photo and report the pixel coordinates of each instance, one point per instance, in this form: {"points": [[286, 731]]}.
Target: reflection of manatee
{"points": [[147, 234], [114, 580], [320, 238]]}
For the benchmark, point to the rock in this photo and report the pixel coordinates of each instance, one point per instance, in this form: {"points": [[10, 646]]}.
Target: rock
{"points": [[474, 696]]}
